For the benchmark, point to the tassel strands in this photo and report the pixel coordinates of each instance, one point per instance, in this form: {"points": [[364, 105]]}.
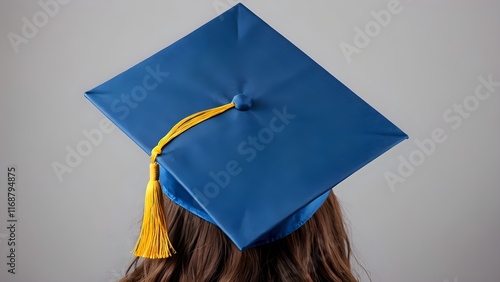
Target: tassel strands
{"points": [[153, 242]]}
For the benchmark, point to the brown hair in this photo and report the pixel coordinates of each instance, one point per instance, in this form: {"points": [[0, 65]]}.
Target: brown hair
{"points": [[318, 251]]}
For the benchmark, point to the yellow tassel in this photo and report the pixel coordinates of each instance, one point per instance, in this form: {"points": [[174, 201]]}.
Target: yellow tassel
{"points": [[153, 240]]}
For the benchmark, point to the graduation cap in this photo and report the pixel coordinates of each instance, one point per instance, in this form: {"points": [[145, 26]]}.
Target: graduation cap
{"points": [[244, 130]]}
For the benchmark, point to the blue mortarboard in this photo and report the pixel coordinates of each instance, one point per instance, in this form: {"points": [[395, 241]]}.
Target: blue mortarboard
{"points": [[268, 131]]}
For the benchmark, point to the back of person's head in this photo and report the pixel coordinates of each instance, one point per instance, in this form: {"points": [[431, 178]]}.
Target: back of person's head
{"points": [[318, 251]]}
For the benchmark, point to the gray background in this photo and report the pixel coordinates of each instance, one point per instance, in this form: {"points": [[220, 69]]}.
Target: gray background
{"points": [[442, 223]]}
